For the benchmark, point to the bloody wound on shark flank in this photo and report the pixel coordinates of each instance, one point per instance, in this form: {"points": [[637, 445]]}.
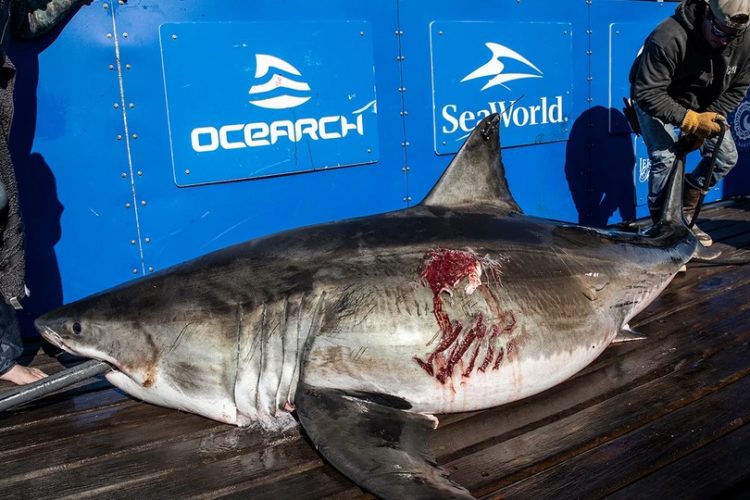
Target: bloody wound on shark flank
{"points": [[442, 270]]}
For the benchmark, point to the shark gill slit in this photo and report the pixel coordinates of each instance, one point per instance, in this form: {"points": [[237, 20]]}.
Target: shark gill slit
{"points": [[307, 344], [238, 343], [282, 332], [261, 337], [298, 348]]}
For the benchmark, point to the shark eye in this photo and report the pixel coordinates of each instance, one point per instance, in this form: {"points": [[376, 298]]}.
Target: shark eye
{"points": [[76, 328]]}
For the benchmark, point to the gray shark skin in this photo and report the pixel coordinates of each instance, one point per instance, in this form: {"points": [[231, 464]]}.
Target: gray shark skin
{"points": [[366, 327]]}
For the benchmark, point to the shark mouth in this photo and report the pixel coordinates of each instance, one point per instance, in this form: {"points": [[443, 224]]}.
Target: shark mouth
{"points": [[54, 338]]}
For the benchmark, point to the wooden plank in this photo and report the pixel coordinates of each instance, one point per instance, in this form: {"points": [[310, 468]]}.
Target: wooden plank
{"points": [[607, 468], [714, 471], [181, 465], [496, 464]]}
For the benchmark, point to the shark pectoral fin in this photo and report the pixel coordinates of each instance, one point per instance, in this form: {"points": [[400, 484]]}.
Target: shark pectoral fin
{"points": [[627, 335], [704, 254], [375, 442]]}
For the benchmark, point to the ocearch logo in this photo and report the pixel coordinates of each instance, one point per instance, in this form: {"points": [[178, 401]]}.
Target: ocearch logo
{"points": [[495, 66], [265, 63], [546, 110], [261, 133]]}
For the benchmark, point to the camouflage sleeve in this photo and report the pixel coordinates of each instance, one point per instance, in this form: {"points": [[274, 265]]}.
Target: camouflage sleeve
{"points": [[33, 18]]}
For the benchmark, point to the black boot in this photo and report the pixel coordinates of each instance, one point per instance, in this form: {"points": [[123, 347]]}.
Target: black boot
{"points": [[655, 213], [690, 198]]}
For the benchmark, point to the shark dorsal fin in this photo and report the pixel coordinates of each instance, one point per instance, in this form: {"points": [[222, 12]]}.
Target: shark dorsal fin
{"points": [[476, 176]]}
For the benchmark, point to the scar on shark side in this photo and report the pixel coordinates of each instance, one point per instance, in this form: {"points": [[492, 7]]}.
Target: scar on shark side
{"points": [[442, 270]]}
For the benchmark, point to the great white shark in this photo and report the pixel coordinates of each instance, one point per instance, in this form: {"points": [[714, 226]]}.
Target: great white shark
{"points": [[366, 328]]}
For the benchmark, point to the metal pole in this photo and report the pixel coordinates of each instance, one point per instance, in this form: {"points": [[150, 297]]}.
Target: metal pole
{"points": [[25, 393]]}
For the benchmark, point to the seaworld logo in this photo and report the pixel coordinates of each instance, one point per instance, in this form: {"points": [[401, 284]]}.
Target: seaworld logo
{"points": [[494, 67], [498, 72], [263, 64]]}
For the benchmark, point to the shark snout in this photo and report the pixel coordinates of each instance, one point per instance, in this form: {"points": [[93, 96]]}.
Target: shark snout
{"points": [[50, 329]]}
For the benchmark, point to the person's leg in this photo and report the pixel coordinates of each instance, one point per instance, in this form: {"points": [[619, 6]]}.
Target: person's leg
{"points": [[660, 139], [11, 348], [726, 159]]}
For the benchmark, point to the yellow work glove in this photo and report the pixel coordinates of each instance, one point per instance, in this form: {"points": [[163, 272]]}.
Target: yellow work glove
{"points": [[702, 125]]}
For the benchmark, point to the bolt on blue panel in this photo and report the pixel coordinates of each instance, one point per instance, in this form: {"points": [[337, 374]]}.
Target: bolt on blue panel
{"points": [[479, 68], [268, 98]]}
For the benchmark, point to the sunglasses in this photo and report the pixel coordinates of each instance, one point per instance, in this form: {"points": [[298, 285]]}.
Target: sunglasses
{"points": [[719, 32]]}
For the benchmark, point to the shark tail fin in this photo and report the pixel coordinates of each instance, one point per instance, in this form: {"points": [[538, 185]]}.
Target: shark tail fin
{"points": [[476, 176]]}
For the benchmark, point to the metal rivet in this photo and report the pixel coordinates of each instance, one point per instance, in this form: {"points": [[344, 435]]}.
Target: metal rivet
{"points": [[147, 240], [127, 205], [444, 143], [135, 136], [128, 66], [122, 2], [187, 171], [132, 242], [125, 34], [406, 169], [143, 203], [174, 37], [124, 175], [131, 105], [150, 269], [440, 33], [111, 67], [140, 173], [119, 137], [135, 271], [109, 35], [361, 33], [116, 105], [105, 6], [369, 150]]}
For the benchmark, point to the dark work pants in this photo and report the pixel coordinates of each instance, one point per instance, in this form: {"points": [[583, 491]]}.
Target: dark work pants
{"points": [[10, 336]]}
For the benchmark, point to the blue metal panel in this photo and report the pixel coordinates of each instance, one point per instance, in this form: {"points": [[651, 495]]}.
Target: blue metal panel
{"points": [[75, 187], [537, 174], [263, 106]]}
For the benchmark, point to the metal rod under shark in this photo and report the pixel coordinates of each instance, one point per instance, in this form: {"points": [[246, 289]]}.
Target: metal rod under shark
{"points": [[26, 393]]}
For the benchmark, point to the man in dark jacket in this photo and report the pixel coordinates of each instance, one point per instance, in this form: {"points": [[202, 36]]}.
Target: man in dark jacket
{"points": [[26, 18], [693, 70]]}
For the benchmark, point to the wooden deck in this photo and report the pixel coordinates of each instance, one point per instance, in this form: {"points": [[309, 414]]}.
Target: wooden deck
{"points": [[667, 415]]}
